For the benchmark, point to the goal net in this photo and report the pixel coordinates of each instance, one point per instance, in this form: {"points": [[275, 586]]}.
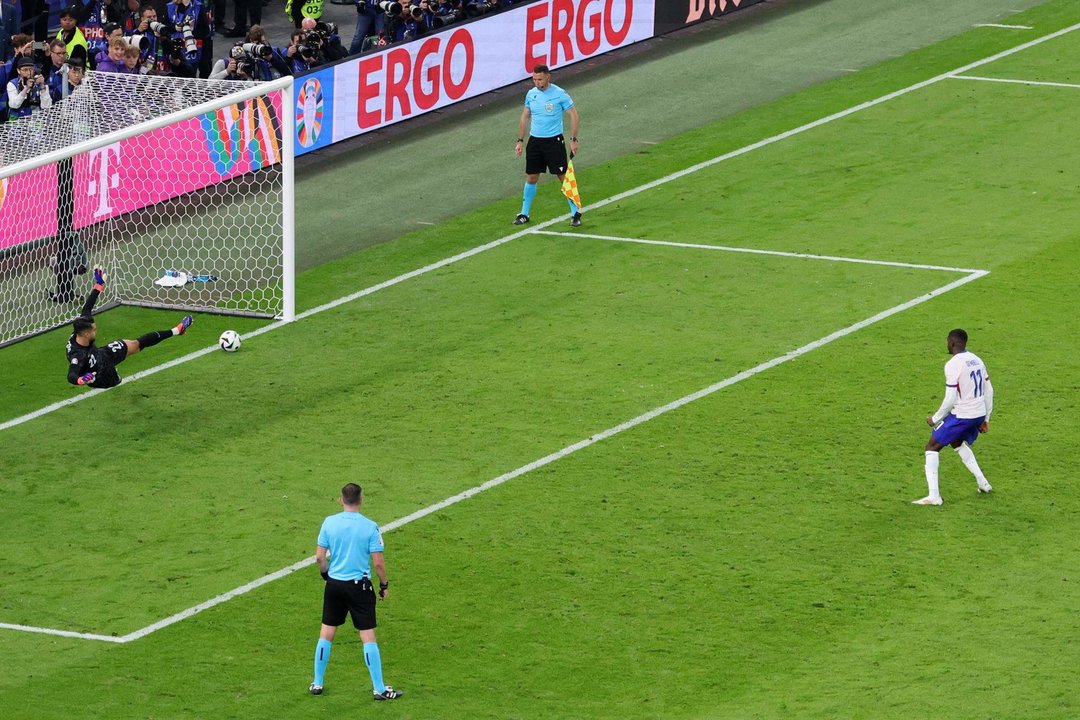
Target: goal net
{"points": [[180, 188]]}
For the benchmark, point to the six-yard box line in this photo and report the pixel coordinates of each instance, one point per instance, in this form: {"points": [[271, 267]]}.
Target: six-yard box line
{"points": [[970, 276]]}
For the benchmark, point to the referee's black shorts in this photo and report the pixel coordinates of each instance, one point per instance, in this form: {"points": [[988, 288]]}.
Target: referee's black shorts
{"points": [[349, 597], [545, 154]]}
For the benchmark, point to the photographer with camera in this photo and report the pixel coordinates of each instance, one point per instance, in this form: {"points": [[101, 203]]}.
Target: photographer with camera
{"points": [[408, 24], [301, 54], [26, 93], [154, 58], [192, 26], [449, 11], [253, 59], [371, 19]]}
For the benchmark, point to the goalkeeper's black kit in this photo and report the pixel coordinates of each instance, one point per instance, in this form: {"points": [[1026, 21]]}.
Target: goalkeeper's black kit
{"points": [[92, 359]]}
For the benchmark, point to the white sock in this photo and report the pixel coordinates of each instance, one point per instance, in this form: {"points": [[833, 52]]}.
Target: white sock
{"points": [[964, 451], [932, 460]]}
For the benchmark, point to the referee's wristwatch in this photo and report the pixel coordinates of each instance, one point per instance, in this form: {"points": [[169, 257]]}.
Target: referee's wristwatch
{"points": [[521, 140], [573, 139]]}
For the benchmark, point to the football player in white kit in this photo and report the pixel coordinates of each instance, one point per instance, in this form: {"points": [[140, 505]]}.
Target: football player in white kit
{"points": [[969, 399]]}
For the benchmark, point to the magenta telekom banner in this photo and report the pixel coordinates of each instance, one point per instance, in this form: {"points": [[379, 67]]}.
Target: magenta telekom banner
{"points": [[28, 206], [145, 170]]}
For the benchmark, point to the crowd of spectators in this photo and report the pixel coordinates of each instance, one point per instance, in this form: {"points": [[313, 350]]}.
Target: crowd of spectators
{"points": [[176, 38]]}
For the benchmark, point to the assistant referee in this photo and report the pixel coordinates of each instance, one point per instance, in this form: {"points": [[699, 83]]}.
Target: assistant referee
{"points": [[544, 107], [355, 547]]}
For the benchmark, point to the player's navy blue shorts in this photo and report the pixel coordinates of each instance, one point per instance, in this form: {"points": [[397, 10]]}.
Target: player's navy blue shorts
{"points": [[954, 428]]}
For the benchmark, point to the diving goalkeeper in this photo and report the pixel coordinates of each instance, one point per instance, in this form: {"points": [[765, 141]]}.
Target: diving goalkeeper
{"points": [[90, 365]]}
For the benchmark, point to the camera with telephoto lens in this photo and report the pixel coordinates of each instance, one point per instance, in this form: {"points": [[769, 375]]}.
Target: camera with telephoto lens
{"points": [[416, 13], [308, 50], [159, 29], [247, 66], [390, 7], [439, 21], [257, 50], [190, 46], [139, 41]]}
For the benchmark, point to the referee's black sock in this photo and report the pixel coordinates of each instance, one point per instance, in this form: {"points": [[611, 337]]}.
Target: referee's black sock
{"points": [[153, 338]]}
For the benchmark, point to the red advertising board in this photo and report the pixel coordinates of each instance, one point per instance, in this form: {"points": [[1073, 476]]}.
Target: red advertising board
{"points": [[407, 80]]}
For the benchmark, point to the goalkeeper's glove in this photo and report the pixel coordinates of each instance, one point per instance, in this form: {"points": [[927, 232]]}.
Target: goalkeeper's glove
{"points": [[87, 378], [99, 279]]}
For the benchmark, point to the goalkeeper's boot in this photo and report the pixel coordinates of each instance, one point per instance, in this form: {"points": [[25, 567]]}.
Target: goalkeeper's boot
{"points": [[184, 325], [315, 689], [389, 694], [576, 220], [521, 219]]}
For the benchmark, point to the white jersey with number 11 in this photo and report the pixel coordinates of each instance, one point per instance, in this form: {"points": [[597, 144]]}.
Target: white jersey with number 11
{"points": [[966, 372]]}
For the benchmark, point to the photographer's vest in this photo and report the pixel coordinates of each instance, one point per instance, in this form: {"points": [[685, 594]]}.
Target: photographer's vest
{"points": [[187, 15], [31, 103], [308, 8]]}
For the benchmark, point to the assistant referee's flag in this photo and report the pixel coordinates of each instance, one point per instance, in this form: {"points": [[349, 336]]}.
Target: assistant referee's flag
{"points": [[569, 185]]}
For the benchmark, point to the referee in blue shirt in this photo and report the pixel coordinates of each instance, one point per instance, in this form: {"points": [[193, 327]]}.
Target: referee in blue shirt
{"points": [[544, 107], [355, 547]]}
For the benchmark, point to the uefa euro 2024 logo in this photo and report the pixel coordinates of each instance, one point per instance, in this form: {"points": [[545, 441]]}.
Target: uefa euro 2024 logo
{"points": [[309, 112], [243, 137]]}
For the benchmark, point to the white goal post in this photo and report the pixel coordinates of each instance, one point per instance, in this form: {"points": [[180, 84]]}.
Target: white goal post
{"points": [[182, 189]]}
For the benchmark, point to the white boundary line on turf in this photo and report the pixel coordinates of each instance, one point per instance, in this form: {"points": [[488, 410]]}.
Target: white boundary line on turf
{"points": [[752, 251], [614, 198], [546, 460], [1007, 27], [1015, 82], [62, 633]]}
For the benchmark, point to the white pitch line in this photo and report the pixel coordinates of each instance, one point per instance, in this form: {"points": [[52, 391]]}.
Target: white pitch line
{"points": [[1007, 27], [62, 633], [752, 251], [615, 198], [1015, 82], [546, 460]]}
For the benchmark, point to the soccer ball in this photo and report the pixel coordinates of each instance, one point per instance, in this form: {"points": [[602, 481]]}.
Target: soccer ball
{"points": [[229, 341]]}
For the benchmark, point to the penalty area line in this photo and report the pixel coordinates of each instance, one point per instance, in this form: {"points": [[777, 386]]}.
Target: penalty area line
{"points": [[614, 198], [539, 463], [754, 251]]}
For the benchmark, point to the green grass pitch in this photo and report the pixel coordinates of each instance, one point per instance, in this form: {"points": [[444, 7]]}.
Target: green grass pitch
{"points": [[750, 554]]}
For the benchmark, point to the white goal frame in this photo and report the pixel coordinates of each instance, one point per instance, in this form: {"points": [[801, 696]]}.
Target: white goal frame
{"points": [[245, 92]]}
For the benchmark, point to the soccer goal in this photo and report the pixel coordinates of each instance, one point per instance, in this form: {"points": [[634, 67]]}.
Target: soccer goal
{"points": [[181, 188]]}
